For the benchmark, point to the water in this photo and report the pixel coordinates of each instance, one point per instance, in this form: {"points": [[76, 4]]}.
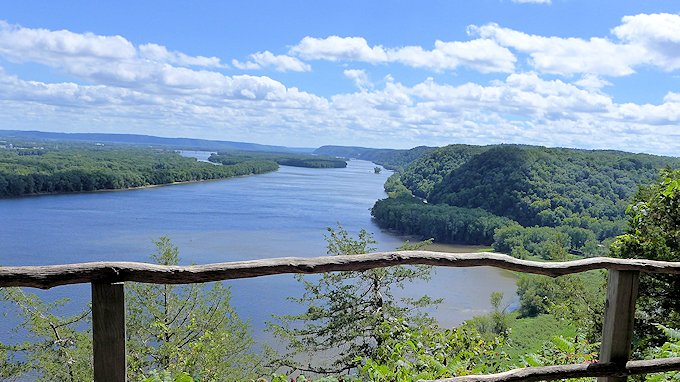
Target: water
{"points": [[283, 213]]}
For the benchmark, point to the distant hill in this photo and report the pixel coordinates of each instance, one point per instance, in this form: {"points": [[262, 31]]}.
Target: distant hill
{"points": [[544, 186], [393, 159], [148, 140], [569, 189]]}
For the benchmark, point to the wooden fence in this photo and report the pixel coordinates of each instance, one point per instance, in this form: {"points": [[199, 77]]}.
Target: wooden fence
{"points": [[108, 302]]}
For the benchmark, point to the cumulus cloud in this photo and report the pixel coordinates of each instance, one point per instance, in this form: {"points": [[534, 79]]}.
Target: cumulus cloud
{"points": [[159, 53], [642, 40], [48, 47], [591, 81], [521, 108], [149, 88], [565, 56], [483, 55], [266, 59], [656, 35], [148, 68], [359, 77]]}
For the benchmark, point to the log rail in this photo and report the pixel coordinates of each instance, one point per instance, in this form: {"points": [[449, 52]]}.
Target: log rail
{"points": [[108, 278]]}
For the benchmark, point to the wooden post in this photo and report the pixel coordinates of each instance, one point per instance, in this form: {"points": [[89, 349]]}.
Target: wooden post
{"points": [[617, 332], [108, 332]]}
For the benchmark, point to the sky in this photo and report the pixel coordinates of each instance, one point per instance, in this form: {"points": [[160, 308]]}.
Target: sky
{"points": [[592, 74]]}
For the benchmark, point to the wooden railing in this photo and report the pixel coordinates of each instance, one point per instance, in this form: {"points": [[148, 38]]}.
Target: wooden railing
{"points": [[108, 303]]}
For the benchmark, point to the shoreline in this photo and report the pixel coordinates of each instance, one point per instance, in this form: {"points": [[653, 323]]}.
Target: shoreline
{"points": [[129, 188]]}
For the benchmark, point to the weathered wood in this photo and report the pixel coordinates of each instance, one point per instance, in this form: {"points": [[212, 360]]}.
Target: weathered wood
{"points": [[108, 332], [617, 331], [49, 276], [551, 373]]}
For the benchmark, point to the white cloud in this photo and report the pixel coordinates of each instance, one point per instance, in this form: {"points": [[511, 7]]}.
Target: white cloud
{"points": [[657, 36], [266, 59], [642, 40], [159, 53], [359, 77], [149, 68], [565, 56], [150, 89], [483, 55], [591, 81], [48, 47], [522, 108], [335, 48]]}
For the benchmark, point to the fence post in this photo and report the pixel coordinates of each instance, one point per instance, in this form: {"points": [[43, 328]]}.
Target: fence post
{"points": [[617, 332], [108, 332]]}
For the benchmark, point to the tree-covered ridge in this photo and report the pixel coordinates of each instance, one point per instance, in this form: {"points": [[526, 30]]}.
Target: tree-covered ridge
{"points": [[392, 159], [578, 196], [441, 222], [284, 159], [549, 186], [428, 171], [90, 169]]}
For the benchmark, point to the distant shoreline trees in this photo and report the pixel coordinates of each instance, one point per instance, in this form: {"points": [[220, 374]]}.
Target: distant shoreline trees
{"points": [[87, 169]]}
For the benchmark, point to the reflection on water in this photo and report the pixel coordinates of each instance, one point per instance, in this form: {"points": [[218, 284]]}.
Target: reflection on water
{"points": [[278, 214]]}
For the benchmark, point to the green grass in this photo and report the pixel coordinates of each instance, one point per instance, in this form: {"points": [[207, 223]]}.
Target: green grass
{"points": [[528, 335]]}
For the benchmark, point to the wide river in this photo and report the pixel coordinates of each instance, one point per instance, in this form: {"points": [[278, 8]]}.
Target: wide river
{"points": [[284, 213]]}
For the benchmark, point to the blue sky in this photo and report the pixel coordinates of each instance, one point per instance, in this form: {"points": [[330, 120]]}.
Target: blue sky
{"points": [[586, 74]]}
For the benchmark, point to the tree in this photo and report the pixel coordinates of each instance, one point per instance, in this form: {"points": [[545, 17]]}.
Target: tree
{"points": [[654, 233], [344, 310], [187, 328], [55, 348], [410, 353], [174, 333]]}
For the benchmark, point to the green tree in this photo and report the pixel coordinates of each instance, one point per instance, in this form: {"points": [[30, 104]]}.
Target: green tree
{"points": [[174, 333], [344, 310], [187, 328], [55, 349], [413, 352], [654, 233]]}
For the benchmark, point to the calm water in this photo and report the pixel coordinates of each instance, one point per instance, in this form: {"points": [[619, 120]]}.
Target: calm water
{"points": [[284, 213]]}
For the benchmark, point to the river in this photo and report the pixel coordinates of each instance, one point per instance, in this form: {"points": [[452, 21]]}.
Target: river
{"points": [[283, 213]]}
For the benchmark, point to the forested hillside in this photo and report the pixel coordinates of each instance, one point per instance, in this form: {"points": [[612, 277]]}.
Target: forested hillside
{"points": [[534, 186], [388, 158], [35, 171], [284, 159]]}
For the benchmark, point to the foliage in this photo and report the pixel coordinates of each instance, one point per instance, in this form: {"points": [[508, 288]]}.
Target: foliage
{"points": [[542, 242], [579, 193], [564, 351], [427, 173], [444, 223], [654, 219], [89, 169], [545, 186], [529, 334], [345, 309], [409, 353], [165, 376], [389, 158], [186, 328], [495, 323], [671, 348], [174, 333], [573, 298], [295, 160], [395, 188], [55, 348]]}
